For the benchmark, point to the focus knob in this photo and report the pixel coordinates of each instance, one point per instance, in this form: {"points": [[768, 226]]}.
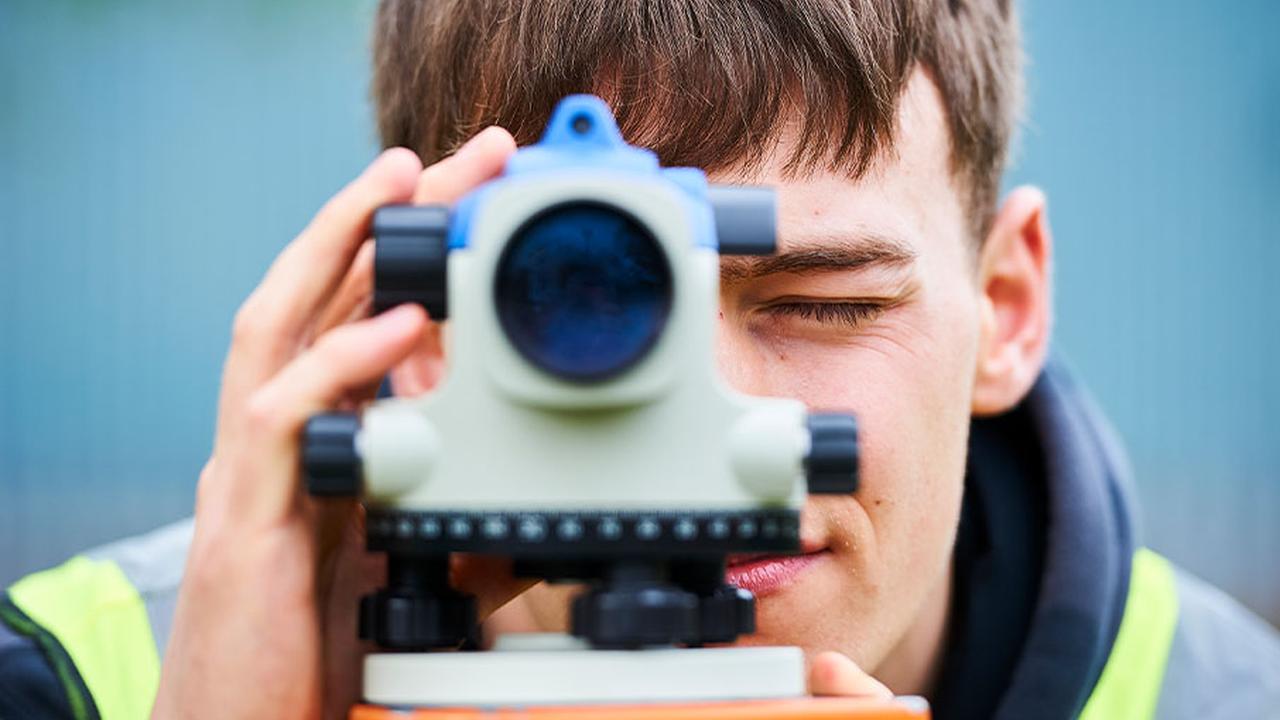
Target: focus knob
{"points": [[329, 456], [410, 257], [831, 467]]}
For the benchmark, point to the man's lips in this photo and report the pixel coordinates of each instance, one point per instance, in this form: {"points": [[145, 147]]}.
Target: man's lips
{"points": [[766, 574]]}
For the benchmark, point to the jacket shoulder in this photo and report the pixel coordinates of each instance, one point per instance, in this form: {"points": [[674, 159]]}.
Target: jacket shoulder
{"points": [[153, 563], [1224, 661], [36, 671]]}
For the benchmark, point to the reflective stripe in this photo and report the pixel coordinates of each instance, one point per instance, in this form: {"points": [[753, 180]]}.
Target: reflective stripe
{"points": [[79, 701], [1131, 680], [100, 620]]}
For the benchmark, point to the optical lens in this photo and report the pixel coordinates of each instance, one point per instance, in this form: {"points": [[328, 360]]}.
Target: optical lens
{"points": [[583, 291]]}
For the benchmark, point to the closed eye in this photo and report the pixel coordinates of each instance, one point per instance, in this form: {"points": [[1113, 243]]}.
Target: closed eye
{"points": [[847, 314]]}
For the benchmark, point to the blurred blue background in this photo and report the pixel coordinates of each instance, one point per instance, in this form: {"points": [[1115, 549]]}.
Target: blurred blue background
{"points": [[155, 156]]}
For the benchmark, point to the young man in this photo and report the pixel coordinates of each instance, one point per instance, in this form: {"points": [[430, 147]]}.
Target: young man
{"points": [[989, 560]]}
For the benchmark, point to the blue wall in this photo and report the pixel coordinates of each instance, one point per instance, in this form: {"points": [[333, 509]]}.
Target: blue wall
{"points": [[155, 156], [1155, 128]]}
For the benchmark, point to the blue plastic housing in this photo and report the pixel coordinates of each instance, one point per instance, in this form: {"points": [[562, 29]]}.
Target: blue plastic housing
{"points": [[583, 137]]}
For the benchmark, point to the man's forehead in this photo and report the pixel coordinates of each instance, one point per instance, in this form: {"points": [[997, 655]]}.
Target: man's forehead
{"points": [[920, 138], [908, 195]]}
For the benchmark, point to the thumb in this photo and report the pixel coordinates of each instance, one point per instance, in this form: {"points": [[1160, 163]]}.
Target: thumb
{"points": [[831, 673]]}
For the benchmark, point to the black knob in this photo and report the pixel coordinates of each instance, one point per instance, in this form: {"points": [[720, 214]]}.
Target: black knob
{"points": [[636, 616], [831, 466], [399, 619], [419, 609], [725, 614], [329, 456], [410, 257]]}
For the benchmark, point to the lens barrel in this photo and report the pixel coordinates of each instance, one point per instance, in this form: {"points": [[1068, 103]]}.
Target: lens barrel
{"points": [[583, 290]]}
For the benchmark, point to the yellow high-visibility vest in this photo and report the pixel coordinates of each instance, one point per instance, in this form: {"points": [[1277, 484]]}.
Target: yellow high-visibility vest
{"points": [[92, 624]]}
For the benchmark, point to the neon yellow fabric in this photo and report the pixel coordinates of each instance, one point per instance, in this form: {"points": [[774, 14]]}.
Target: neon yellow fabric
{"points": [[1130, 684], [101, 622]]}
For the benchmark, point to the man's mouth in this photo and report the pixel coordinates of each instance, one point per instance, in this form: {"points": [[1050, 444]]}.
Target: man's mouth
{"points": [[767, 574]]}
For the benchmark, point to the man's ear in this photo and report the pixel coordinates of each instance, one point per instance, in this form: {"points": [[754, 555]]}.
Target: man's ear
{"points": [[424, 367], [1016, 300]]}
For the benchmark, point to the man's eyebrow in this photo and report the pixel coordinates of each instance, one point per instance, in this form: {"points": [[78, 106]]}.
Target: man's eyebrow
{"points": [[821, 254]]}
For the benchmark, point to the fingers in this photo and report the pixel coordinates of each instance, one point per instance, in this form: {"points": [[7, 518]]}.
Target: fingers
{"points": [[270, 324], [264, 482], [351, 302], [482, 158], [307, 272], [833, 674], [489, 579], [352, 299], [310, 268]]}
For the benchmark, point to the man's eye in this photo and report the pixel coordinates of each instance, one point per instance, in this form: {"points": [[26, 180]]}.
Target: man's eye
{"points": [[848, 314]]}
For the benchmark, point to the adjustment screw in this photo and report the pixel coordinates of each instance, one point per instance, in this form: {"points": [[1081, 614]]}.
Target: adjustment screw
{"points": [[329, 456], [411, 251], [831, 466]]}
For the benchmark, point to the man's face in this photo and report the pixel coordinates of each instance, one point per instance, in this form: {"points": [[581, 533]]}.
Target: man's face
{"points": [[872, 307]]}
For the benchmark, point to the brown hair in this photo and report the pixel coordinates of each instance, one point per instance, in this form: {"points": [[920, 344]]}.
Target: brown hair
{"points": [[707, 83]]}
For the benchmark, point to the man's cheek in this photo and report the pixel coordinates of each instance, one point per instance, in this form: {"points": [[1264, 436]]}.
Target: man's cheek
{"points": [[907, 382], [913, 420]]}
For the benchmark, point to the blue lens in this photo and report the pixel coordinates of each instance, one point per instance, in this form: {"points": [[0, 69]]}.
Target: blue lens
{"points": [[583, 291]]}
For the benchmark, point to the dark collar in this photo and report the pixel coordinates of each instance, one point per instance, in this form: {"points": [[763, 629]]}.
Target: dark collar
{"points": [[997, 564], [1042, 559]]}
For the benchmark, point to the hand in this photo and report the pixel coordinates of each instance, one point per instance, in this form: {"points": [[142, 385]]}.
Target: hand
{"points": [[265, 623], [833, 674]]}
